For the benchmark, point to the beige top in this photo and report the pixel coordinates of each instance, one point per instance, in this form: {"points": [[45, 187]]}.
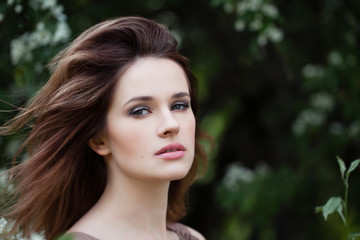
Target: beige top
{"points": [[180, 230]]}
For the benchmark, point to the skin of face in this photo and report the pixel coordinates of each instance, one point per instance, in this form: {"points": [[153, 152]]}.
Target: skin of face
{"points": [[150, 110]]}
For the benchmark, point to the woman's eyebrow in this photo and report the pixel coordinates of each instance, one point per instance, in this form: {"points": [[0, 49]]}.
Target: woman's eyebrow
{"points": [[140, 99], [149, 98], [180, 95]]}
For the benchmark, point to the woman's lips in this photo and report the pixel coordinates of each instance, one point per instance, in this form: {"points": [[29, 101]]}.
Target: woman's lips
{"points": [[171, 151]]}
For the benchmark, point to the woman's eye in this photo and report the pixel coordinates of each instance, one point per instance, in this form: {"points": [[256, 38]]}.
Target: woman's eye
{"points": [[180, 106], [139, 111]]}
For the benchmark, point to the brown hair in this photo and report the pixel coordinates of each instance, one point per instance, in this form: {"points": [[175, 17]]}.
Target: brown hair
{"points": [[63, 178]]}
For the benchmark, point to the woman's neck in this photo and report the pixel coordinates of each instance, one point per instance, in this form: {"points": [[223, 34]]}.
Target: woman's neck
{"points": [[130, 206], [132, 198]]}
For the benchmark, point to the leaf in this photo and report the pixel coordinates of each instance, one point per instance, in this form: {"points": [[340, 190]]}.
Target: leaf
{"points": [[342, 167], [318, 209], [66, 237], [341, 214], [331, 206], [352, 167], [354, 236]]}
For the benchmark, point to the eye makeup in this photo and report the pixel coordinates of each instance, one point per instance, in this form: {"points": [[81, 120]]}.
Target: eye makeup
{"points": [[139, 111]]}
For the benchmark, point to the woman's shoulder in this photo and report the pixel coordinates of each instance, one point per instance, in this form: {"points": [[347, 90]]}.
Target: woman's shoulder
{"points": [[76, 236], [185, 232]]}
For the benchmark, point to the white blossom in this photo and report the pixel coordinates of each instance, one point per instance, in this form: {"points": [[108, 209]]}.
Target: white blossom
{"points": [[248, 5], [4, 181], [262, 40], [48, 4], [3, 223], [62, 32], [10, 2], [241, 7], [308, 117], [3, 178], [10, 187], [311, 71], [40, 26], [37, 236], [41, 37], [237, 173], [335, 58], [275, 34], [270, 10], [322, 101], [271, 33], [18, 8], [43, 4], [6, 226], [254, 4], [312, 117], [256, 24], [19, 50], [58, 13], [239, 25], [257, 9]]}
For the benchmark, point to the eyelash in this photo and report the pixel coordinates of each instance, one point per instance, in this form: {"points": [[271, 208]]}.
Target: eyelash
{"points": [[184, 106], [136, 111]]}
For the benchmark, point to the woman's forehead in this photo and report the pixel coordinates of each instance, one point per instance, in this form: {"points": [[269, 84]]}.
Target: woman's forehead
{"points": [[152, 77]]}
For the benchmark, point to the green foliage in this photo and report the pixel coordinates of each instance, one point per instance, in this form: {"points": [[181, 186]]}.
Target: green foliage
{"points": [[34, 31], [332, 205], [31, 33], [256, 196], [5, 233], [260, 17], [339, 205], [65, 237]]}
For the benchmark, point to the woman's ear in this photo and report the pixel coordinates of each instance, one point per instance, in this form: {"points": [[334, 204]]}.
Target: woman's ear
{"points": [[99, 145]]}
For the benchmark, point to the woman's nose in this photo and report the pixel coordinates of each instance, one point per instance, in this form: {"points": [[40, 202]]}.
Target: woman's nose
{"points": [[168, 126]]}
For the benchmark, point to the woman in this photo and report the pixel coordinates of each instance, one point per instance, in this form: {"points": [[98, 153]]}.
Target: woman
{"points": [[112, 149]]}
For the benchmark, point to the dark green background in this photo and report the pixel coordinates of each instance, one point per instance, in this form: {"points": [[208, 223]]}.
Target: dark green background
{"points": [[251, 97]]}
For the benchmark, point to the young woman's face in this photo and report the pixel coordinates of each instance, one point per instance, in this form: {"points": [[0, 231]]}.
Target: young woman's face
{"points": [[150, 133]]}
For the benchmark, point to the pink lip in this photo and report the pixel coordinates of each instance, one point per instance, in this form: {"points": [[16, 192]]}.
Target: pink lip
{"points": [[171, 151]]}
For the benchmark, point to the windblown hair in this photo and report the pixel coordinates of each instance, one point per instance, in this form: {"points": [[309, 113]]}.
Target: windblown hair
{"points": [[63, 177]]}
